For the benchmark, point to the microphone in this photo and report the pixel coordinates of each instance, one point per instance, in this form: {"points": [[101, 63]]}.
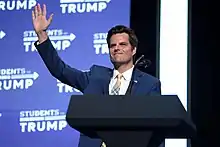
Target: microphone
{"points": [[132, 82], [139, 62], [142, 62], [142, 56]]}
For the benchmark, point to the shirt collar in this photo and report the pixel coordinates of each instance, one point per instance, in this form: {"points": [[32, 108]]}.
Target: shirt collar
{"points": [[126, 75]]}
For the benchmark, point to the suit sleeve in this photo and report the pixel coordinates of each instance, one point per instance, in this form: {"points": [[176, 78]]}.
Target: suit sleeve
{"points": [[59, 69]]}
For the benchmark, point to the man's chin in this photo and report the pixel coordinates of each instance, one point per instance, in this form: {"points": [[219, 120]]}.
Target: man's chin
{"points": [[118, 62]]}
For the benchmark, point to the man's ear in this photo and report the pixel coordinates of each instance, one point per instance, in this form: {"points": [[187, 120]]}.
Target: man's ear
{"points": [[134, 51]]}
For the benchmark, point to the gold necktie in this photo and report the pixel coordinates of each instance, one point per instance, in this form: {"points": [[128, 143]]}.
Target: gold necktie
{"points": [[103, 144], [116, 87], [115, 91]]}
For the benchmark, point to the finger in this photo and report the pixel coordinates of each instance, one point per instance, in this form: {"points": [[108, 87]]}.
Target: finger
{"points": [[33, 16], [44, 10], [35, 10], [39, 9], [50, 18]]}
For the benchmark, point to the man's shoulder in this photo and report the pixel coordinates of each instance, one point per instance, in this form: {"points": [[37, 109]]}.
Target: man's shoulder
{"points": [[99, 69], [148, 78]]}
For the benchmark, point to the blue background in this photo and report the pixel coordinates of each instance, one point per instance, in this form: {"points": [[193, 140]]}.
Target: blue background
{"points": [[43, 94]]}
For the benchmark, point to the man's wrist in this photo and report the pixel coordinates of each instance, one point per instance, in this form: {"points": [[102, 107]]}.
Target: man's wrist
{"points": [[42, 36]]}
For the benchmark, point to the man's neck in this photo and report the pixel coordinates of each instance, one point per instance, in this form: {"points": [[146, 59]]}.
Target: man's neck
{"points": [[124, 67]]}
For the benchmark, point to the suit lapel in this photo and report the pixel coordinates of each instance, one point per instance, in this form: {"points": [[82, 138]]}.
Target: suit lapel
{"points": [[136, 76]]}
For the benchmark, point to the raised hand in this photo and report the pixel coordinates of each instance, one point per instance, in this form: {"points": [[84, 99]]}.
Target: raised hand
{"points": [[39, 19]]}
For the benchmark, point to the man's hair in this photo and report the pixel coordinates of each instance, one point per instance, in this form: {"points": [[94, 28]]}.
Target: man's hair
{"points": [[123, 29]]}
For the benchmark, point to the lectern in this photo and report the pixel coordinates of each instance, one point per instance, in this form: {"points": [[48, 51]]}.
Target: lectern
{"points": [[130, 121]]}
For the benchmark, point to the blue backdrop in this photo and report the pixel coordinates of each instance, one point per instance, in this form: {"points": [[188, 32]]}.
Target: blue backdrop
{"points": [[33, 103]]}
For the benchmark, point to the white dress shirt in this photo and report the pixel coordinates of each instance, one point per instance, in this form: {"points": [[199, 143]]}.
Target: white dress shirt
{"points": [[125, 81]]}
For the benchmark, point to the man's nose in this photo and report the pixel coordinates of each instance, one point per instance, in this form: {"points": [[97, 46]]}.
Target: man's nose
{"points": [[117, 47]]}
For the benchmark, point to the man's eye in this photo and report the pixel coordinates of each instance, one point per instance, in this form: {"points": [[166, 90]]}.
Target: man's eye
{"points": [[123, 44], [112, 45]]}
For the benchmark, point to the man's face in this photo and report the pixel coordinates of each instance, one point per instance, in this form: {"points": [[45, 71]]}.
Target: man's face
{"points": [[121, 51]]}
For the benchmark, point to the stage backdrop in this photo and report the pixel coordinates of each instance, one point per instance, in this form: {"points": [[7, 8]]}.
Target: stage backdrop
{"points": [[32, 102]]}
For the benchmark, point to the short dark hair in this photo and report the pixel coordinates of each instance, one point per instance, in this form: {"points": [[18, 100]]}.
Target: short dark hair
{"points": [[123, 29]]}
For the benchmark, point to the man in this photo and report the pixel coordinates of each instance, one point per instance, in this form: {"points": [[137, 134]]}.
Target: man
{"points": [[123, 79]]}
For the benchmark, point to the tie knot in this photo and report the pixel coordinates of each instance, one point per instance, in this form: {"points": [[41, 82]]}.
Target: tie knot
{"points": [[119, 76]]}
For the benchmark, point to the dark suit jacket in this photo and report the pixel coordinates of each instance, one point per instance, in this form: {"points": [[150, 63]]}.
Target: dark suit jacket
{"points": [[96, 80]]}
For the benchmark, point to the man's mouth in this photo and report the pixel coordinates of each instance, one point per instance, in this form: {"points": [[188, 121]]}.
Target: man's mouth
{"points": [[117, 53]]}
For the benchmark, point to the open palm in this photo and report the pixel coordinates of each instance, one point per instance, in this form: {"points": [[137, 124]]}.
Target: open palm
{"points": [[39, 19]]}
